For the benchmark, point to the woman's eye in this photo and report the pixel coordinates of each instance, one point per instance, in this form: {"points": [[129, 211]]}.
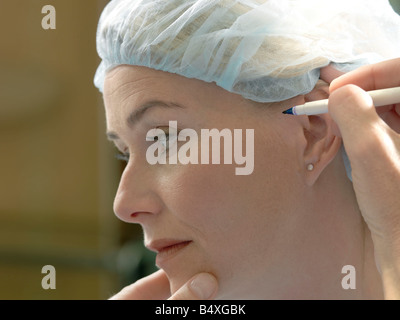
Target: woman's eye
{"points": [[122, 156], [164, 140], [163, 137]]}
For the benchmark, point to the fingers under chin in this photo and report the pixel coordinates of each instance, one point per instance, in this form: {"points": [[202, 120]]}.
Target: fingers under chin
{"points": [[152, 287]]}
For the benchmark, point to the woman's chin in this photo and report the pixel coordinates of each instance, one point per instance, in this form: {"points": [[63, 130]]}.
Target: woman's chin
{"points": [[179, 278]]}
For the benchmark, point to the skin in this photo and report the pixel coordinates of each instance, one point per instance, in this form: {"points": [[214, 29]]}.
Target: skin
{"points": [[283, 226]]}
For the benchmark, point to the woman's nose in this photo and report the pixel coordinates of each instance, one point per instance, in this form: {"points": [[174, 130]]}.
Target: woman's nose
{"points": [[136, 201]]}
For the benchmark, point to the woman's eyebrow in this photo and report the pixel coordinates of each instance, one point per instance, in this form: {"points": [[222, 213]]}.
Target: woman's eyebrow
{"points": [[135, 116]]}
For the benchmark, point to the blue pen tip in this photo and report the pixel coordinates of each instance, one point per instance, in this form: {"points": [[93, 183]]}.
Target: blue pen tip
{"points": [[288, 111]]}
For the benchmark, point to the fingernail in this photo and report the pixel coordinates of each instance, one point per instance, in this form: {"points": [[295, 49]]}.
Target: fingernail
{"points": [[204, 285]]}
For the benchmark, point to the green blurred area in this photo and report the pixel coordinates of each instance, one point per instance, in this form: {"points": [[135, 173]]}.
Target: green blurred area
{"points": [[396, 5]]}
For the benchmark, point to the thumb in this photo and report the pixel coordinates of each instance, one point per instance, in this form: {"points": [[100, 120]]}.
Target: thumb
{"points": [[354, 112], [202, 286]]}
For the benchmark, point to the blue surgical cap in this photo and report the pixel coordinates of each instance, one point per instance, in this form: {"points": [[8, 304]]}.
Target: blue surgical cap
{"points": [[264, 50]]}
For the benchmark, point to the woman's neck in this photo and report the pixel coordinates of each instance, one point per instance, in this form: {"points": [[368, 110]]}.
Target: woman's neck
{"points": [[352, 249]]}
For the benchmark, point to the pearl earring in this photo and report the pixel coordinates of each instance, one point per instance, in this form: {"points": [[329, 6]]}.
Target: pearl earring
{"points": [[310, 167]]}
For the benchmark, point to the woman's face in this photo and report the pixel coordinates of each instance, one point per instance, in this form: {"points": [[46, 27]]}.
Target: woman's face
{"points": [[204, 217]]}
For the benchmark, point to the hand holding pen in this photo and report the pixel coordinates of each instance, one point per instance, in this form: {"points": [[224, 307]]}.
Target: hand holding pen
{"points": [[372, 142]]}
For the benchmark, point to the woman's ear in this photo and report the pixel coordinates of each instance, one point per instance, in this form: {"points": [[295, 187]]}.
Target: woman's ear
{"points": [[321, 144], [329, 73]]}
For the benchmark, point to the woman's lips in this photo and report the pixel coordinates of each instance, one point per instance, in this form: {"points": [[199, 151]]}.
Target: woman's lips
{"points": [[167, 248]]}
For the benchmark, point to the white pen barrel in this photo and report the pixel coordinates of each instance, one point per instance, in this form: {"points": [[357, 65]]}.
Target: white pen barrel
{"points": [[311, 108], [382, 97], [385, 96]]}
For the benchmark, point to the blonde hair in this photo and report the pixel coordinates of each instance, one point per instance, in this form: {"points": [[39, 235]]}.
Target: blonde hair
{"points": [[265, 50]]}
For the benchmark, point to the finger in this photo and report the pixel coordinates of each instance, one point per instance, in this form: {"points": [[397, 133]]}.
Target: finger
{"points": [[353, 111], [371, 77], [203, 286], [329, 73], [152, 287]]}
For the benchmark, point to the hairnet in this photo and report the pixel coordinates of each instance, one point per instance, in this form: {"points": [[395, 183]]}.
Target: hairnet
{"points": [[264, 50]]}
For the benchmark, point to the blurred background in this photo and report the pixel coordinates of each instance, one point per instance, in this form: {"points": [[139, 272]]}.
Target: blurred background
{"points": [[58, 172]]}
